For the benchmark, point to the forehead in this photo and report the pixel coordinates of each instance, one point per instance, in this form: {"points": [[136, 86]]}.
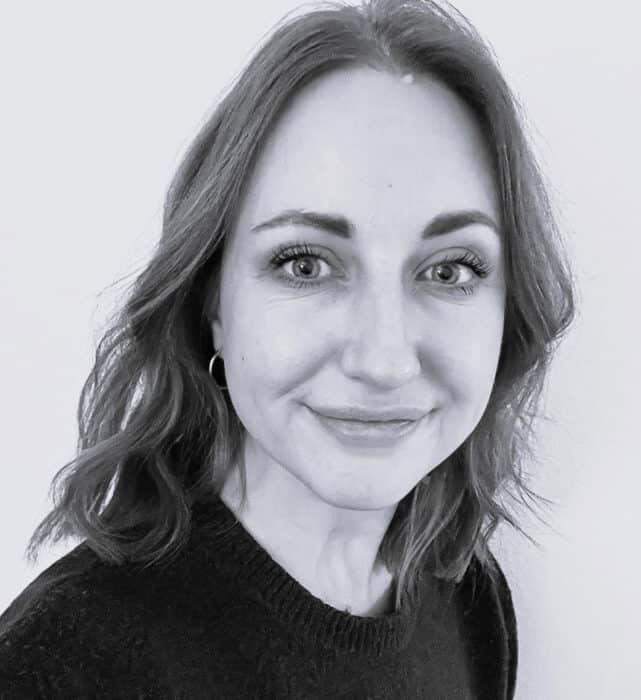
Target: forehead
{"points": [[374, 147]]}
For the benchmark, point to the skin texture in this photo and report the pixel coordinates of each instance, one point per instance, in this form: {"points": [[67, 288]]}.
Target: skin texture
{"points": [[385, 327]]}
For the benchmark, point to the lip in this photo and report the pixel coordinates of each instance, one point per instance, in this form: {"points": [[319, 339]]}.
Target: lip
{"points": [[361, 413], [355, 433]]}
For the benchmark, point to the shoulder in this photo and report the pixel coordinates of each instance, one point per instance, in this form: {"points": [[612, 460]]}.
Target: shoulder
{"points": [[489, 623], [87, 628], [68, 630], [486, 584]]}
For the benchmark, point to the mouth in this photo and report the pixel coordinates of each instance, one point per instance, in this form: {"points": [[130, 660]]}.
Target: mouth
{"points": [[360, 433]]}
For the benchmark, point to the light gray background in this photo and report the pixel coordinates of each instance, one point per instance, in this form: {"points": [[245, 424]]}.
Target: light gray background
{"points": [[99, 100]]}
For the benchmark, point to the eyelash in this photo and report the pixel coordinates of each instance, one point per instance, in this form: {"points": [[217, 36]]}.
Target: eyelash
{"points": [[288, 252]]}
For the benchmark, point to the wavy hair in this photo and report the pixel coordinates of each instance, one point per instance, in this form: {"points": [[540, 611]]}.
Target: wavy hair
{"points": [[157, 435]]}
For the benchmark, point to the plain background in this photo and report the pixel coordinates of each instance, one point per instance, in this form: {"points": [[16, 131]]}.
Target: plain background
{"points": [[99, 100]]}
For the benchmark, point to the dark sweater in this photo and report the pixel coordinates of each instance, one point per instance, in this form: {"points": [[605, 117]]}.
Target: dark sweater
{"points": [[224, 620]]}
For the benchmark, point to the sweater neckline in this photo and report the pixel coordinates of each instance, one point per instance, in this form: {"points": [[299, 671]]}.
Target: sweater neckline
{"points": [[296, 607]]}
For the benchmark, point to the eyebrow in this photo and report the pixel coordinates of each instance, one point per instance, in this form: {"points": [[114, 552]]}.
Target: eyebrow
{"points": [[340, 226]]}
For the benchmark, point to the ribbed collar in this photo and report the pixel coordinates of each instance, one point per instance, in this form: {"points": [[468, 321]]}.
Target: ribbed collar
{"points": [[305, 614]]}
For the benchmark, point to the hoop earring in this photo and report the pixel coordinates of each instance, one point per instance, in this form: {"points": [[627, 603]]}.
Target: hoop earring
{"points": [[211, 367]]}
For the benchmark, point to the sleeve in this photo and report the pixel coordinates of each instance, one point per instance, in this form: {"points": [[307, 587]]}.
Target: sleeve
{"points": [[490, 629], [509, 618], [64, 644]]}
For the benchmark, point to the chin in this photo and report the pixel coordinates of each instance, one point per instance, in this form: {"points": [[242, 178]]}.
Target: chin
{"points": [[366, 502], [355, 491]]}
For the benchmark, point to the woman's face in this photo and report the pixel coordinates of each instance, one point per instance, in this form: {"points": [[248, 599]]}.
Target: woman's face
{"points": [[397, 296]]}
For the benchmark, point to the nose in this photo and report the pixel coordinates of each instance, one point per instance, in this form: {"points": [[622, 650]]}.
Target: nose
{"points": [[379, 349]]}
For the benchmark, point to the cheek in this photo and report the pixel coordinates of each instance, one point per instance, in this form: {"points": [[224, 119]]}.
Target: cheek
{"points": [[272, 346], [468, 361]]}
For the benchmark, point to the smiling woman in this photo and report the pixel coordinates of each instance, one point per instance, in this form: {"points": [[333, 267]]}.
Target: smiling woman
{"points": [[361, 238], [370, 319]]}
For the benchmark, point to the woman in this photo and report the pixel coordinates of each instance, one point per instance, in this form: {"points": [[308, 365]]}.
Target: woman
{"points": [[359, 250]]}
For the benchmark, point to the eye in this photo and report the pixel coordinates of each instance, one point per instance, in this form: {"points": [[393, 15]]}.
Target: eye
{"points": [[459, 272], [451, 273], [304, 265]]}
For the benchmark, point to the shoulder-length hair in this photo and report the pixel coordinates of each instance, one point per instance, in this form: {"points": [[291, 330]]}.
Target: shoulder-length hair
{"points": [[157, 435]]}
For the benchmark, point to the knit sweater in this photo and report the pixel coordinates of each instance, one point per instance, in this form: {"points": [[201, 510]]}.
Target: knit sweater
{"points": [[224, 620]]}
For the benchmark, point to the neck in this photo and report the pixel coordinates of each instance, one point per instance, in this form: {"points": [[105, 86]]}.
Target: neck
{"points": [[332, 552]]}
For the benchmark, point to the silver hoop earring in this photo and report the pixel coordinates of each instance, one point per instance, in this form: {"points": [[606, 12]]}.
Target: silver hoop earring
{"points": [[211, 368]]}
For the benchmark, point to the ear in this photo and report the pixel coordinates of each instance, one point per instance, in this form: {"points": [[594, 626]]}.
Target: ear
{"points": [[212, 312], [217, 332]]}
